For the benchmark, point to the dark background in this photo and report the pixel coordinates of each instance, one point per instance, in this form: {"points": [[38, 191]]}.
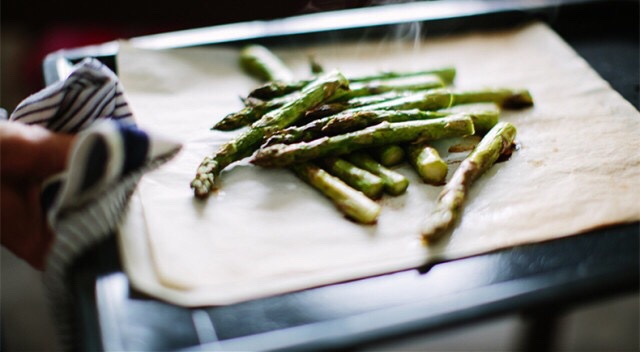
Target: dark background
{"points": [[33, 28]]}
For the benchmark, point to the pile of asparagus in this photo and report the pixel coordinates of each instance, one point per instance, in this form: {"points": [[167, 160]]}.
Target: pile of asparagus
{"points": [[343, 135]]}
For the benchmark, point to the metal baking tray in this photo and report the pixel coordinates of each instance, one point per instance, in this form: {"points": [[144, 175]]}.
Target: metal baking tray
{"points": [[544, 278]]}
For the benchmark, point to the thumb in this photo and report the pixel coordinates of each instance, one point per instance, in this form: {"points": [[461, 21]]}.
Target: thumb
{"points": [[29, 151]]}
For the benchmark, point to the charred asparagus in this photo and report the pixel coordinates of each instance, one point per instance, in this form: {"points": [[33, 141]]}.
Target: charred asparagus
{"points": [[381, 134], [244, 145], [356, 177], [351, 202], [427, 162], [449, 205], [394, 183]]}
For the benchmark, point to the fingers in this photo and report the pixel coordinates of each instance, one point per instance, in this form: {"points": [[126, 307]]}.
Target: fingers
{"points": [[28, 155], [23, 226], [32, 152]]}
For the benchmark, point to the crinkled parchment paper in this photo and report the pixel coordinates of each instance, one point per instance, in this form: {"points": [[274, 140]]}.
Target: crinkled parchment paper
{"points": [[265, 232]]}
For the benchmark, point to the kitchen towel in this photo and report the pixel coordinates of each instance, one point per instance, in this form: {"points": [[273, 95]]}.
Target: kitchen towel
{"points": [[85, 202]]}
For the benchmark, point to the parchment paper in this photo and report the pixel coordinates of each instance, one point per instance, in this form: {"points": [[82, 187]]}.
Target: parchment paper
{"points": [[265, 232]]}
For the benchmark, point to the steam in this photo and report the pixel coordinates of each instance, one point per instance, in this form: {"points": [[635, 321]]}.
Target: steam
{"points": [[409, 32], [403, 33], [402, 36]]}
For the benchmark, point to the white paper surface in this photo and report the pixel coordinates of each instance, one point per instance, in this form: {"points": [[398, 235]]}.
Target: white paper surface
{"points": [[265, 232]]}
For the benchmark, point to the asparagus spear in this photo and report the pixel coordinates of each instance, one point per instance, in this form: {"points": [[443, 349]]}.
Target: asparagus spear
{"points": [[348, 121], [484, 115], [351, 202], [394, 183], [411, 83], [388, 155], [381, 134], [367, 93], [360, 179], [427, 162], [275, 89], [505, 98], [329, 109], [425, 100], [245, 144], [252, 113], [261, 63], [354, 120], [433, 99], [315, 66], [312, 95], [448, 207], [446, 74]]}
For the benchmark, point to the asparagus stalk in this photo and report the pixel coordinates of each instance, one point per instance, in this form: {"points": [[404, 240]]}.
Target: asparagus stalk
{"points": [[360, 179], [312, 95], [349, 121], [484, 116], [315, 66], [496, 142], [411, 83], [372, 99], [236, 149], [394, 183], [252, 113], [276, 89], [329, 109], [351, 202], [446, 74], [381, 134], [346, 122], [427, 162], [245, 144], [388, 155], [359, 94], [433, 99], [505, 98], [261, 63], [271, 90], [424, 100]]}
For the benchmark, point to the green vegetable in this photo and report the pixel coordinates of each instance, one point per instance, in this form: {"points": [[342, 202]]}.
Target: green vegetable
{"points": [[394, 183], [245, 144], [381, 134], [351, 202], [261, 63], [358, 178], [271, 90], [427, 162], [388, 155], [496, 142]]}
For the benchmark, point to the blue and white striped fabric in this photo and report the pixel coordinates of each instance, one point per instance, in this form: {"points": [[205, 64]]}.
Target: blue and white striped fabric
{"points": [[107, 159], [90, 92]]}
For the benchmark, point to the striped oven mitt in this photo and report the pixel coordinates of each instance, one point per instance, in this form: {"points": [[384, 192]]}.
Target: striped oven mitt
{"points": [[110, 154]]}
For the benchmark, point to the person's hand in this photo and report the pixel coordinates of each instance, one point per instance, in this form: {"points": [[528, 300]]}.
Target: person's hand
{"points": [[28, 155]]}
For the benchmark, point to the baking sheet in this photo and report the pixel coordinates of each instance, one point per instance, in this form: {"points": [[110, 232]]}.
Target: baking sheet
{"points": [[265, 232]]}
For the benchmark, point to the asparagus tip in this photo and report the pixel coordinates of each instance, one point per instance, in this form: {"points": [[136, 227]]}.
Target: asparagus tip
{"points": [[200, 190], [520, 99], [436, 225]]}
